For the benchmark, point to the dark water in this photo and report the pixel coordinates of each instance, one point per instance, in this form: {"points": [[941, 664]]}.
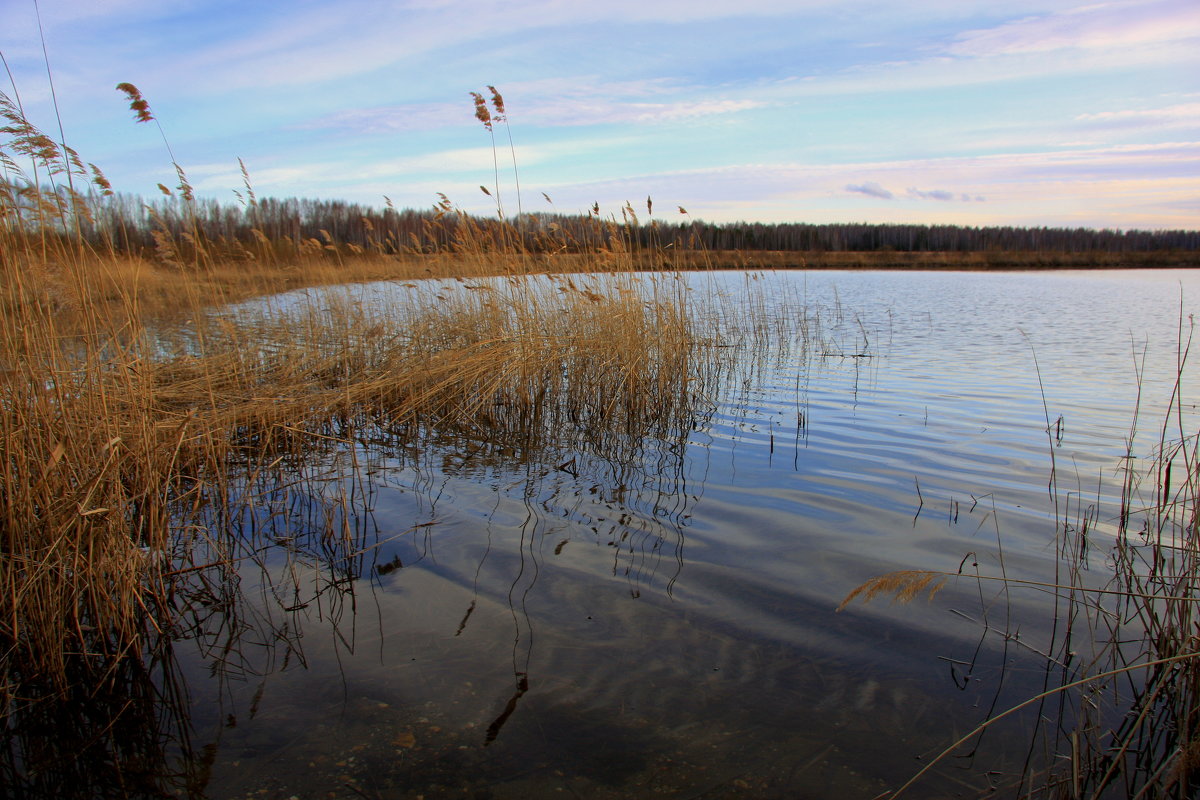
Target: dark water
{"points": [[669, 627]]}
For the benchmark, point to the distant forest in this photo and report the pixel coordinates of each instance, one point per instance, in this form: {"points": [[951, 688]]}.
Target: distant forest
{"points": [[129, 224]]}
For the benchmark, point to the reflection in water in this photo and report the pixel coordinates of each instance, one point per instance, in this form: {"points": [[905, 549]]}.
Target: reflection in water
{"points": [[123, 732], [620, 601], [627, 494]]}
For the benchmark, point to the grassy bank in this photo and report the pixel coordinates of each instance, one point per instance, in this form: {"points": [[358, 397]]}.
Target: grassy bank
{"points": [[130, 403]]}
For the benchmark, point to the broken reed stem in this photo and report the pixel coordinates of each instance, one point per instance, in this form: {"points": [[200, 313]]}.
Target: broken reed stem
{"points": [[906, 585]]}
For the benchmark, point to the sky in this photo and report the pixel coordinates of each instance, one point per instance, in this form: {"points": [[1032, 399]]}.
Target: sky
{"points": [[1021, 112]]}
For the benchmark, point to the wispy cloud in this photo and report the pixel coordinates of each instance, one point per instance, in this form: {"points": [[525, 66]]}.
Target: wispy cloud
{"points": [[870, 189], [392, 119], [1173, 116], [320, 42], [934, 194], [455, 167], [580, 101], [874, 189], [1104, 26], [543, 113], [1101, 38], [476, 161], [617, 113]]}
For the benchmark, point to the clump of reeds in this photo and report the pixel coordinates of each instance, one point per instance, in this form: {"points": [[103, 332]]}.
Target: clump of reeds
{"points": [[1152, 620], [131, 406], [118, 441]]}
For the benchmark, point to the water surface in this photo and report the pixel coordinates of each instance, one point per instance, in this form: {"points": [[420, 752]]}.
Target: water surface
{"points": [[667, 626]]}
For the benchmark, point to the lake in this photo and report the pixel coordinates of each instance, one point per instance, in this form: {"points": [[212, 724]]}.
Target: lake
{"points": [[660, 617]]}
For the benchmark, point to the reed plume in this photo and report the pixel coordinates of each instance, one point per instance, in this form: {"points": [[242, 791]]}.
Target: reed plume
{"points": [[905, 585]]}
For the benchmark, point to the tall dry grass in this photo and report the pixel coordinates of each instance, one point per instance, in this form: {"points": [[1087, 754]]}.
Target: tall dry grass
{"points": [[137, 406]]}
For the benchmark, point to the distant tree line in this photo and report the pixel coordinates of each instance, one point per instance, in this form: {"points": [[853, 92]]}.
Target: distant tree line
{"points": [[129, 224], [937, 238]]}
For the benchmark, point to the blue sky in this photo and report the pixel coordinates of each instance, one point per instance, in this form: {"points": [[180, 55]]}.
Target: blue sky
{"points": [[1023, 112]]}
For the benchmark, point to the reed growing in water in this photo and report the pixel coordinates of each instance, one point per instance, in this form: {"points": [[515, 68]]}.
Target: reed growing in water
{"points": [[1120, 713], [140, 411]]}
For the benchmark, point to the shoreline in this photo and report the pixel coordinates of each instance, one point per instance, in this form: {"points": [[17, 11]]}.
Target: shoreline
{"points": [[1019, 260]]}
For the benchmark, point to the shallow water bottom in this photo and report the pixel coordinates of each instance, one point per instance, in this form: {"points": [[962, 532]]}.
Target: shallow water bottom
{"points": [[580, 692]]}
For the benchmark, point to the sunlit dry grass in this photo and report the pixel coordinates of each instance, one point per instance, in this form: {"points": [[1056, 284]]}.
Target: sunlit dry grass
{"points": [[135, 399]]}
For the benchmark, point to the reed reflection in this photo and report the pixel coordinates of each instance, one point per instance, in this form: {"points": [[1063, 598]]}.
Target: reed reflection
{"points": [[122, 730], [628, 493]]}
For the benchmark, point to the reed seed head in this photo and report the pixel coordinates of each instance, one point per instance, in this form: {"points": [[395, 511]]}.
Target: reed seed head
{"points": [[99, 179], [138, 104], [481, 110], [903, 584], [497, 103]]}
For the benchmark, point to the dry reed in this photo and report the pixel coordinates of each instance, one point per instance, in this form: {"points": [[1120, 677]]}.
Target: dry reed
{"points": [[134, 410]]}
